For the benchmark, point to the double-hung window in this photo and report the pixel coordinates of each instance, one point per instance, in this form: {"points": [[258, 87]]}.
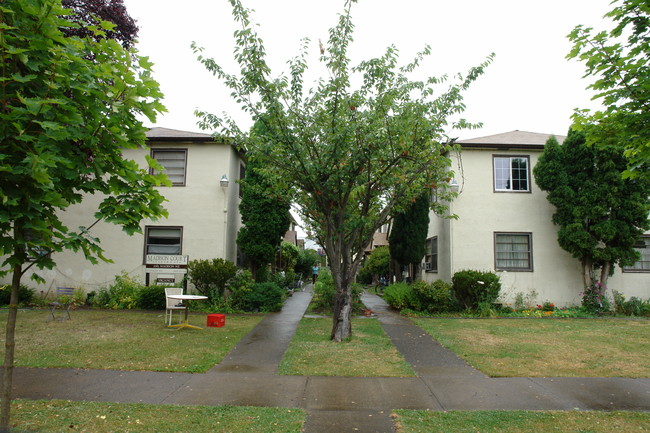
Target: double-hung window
{"points": [[431, 255], [513, 251], [163, 240], [643, 248], [174, 161], [511, 173]]}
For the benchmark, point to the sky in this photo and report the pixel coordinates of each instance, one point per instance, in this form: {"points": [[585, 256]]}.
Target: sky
{"points": [[530, 86]]}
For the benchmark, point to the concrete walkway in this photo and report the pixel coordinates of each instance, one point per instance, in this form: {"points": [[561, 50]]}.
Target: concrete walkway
{"points": [[248, 377]]}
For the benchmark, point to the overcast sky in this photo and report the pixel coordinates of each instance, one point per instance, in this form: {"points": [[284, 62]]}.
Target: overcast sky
{"points": [[529, 87]]}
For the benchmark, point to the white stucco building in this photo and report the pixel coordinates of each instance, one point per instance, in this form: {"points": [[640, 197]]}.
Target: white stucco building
{"points": [[504, 225], [203, 215]]}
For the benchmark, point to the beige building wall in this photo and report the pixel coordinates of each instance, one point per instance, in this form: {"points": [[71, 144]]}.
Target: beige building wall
{"points": [[207, 212], [468, 243]]}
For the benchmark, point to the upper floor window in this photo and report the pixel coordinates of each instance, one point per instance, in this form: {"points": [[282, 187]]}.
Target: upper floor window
{"points": [[174, 162], [511, 173], [431, 255], [643, 264], [163, 240], [513, 251]]}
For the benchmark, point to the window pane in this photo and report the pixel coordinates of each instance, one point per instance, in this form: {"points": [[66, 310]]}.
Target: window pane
{"points": [[512, 251], [643, 247], [163, 241], [174, 163], [511, 174]]}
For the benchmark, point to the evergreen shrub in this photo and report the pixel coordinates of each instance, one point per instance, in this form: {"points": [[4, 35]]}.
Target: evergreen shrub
{"points": [[152, 298], [399, 296], [473, 287], [435, 297], [264, 297], [324, 291], [25, 294]]}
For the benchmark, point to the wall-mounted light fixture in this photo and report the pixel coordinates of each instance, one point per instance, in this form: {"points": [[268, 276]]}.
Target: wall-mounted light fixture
{"points": [[454, 185], [224, 181]]}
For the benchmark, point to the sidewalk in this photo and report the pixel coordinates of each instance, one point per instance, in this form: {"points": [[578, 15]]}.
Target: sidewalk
{"points": [[248, 377]]}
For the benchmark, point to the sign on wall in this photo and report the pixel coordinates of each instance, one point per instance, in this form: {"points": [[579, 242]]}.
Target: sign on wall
{"points": [[167, 264]]}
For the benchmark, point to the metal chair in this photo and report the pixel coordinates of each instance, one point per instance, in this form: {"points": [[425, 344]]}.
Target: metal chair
{"points": [[63, 300], [173, 304]]}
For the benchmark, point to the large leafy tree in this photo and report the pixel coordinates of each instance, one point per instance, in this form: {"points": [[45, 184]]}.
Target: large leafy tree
{"points": [[600, 215], [360, 143], [64, 120], [409, 234], [618, 61], [265, 217], [88, 13]]}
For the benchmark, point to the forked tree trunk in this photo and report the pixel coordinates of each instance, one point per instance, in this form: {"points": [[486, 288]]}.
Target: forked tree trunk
{"points": [[587, 272], [604, 273], [342, 317], [10, 344]]}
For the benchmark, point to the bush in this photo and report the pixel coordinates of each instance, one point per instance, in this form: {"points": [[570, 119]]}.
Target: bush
{"points": [[594, 299], [123, 294], [152, 298], [436, 297], [399, 296], [324, 291], [473, 287], [237, 289], [375, 266], [264, 297], [210, 276], [25, 294], [632, 307]]}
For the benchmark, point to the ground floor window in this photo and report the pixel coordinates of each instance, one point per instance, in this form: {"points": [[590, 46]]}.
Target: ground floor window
{"points": [[513, 251], [431, 255], [643, 264], [163, 240]]}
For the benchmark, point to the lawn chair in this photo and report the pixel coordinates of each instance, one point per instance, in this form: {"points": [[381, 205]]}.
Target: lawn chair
{"points": [[173, 304], [63, 301]]}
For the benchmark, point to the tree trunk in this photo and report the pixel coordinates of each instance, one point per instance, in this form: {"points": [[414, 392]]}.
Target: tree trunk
{"points": [[10, 345], [342, 318], [604, 273], [587, 272], [417, 271]]}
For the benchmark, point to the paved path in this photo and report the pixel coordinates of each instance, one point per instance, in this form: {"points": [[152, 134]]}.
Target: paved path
{"points": [[248, 377]]}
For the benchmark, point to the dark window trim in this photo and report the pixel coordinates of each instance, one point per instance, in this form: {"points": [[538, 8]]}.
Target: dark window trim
{"points": [[146, 238], [531, 268], [637, 271], [165, 149], [528, 174]]}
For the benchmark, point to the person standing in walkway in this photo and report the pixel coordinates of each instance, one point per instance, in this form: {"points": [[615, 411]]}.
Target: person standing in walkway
{"points": [[314, 271]]}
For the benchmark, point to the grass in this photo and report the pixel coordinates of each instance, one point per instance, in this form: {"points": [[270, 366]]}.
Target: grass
{"points": [[548, 348], [123, 340], [413, 421], [369, 353], [89, 417]]}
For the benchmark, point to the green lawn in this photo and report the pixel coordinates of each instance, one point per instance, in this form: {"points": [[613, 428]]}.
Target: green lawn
{"points": [[369, 353], [90, 417], [414, 421], [548, 347], [123, 340]]}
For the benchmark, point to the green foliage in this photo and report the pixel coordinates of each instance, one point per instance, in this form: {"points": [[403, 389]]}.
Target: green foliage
{"points": [[595, 300], [151, 298], [600, 215], [306, 260], [399, 296], [65, 118], [122, 294], [238, 288], [409, 232], [210, 276], [25, 295], [285, 280], [265, 216], [376, 265], [617, 59], [435, 297], [364, 141], [632, 307], [264, 297], [288, 256], [472, 287], [324, 291]]}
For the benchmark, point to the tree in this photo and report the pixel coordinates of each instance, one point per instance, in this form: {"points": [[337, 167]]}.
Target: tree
{"points": [[63, 122], [600, 215], [88, 13], [618, 60], [265, 217], [349, 155], [409, 234], [376, 265]]}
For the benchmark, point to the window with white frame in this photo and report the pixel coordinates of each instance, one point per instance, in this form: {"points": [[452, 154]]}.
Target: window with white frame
{"points": [[643, 264], [431, 255], [163, 240], [174, 161], [513, 251], [511, 173]]}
